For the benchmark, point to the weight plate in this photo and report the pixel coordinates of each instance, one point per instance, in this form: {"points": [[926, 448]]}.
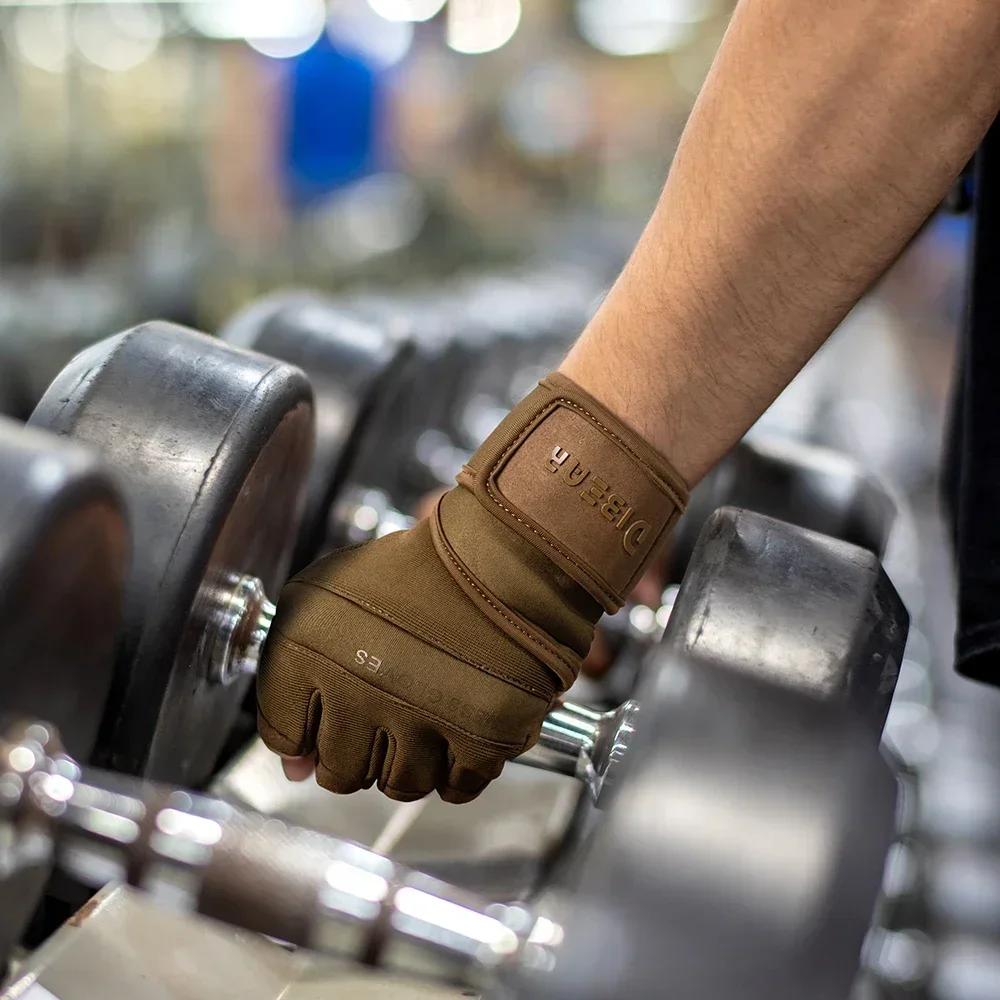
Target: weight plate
{"points": [[743, 856], [812, 487], [63, 560], [769, 599], [802, 609], [351, 365], [447, 350], [212, 447]]}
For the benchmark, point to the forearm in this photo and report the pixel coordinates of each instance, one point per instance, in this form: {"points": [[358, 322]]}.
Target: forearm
{"points": [[825, 134]]}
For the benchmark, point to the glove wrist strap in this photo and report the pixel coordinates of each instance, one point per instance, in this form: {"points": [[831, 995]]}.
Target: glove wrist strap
{"points": [[569, 477]]}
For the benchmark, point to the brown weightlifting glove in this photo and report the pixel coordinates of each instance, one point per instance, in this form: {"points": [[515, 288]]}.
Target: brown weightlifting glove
{"points": [[426, 659]]}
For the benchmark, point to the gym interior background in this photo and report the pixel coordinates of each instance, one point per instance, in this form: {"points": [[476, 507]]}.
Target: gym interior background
{"points": [[467, 176]]}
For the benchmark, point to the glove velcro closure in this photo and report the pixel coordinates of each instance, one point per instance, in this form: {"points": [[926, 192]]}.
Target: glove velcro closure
{"points": [[569, 477]]}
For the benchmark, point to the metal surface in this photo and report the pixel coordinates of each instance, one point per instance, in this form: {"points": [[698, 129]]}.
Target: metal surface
{"points": [[743, 856], [498, 845], [799, 608], [238, 621], [350, 364], [124, 946], [809, 486], [753, 841], [211, 445], [199, 854], [766, 598], [592, 746], [63, 559]]}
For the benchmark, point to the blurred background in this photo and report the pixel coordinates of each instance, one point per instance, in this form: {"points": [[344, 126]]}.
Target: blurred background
{"points": [[177, 159], [180, 159]]}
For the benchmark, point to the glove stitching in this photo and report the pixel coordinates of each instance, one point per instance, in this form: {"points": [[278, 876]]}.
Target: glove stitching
{"points": [[277, 731], [357, 682], [502, 611], [658, 480], [388, 615], [601, 585]]}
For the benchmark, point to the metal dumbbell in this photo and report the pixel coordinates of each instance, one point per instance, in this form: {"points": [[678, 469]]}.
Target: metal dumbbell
{"points": [[63, 562], [384, 369], [807, 485], [355, 369], [398, 383], [699, 731], [718, 791], [210, 496], [307, 329], [447, 352], [761, 596], [210, 446], [472, 335]]}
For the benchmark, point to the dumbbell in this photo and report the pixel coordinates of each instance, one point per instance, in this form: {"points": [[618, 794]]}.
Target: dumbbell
{"points": [[807, 485], [510, 369], [63, 560], [388, 379], [761, 597], [411, 356], [113, 398], [469, 328], [765, 598], [135, 396], [532, 326], [362, 375], [530, 321], [447, 351], [743, 852], [355, 368], [230, 645], [210, 446]]}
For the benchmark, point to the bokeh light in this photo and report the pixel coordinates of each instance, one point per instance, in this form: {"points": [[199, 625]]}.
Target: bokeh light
{"points": [[481, 25], [376, 215], [641, 27], [117, 36], [354, 25], [41, 37], [406, 10], [276, 28], [546, 111]]}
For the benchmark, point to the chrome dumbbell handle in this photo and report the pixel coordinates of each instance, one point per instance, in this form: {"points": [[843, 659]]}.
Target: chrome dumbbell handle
{"points": [[251, 871], [588, 745], [238, 619], [574, 740]]}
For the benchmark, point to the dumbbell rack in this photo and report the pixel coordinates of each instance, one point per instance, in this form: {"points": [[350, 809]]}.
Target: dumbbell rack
{"points": [[574, 725]]}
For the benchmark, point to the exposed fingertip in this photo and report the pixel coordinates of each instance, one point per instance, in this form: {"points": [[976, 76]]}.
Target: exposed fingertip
{"points": [[298, 768]]}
